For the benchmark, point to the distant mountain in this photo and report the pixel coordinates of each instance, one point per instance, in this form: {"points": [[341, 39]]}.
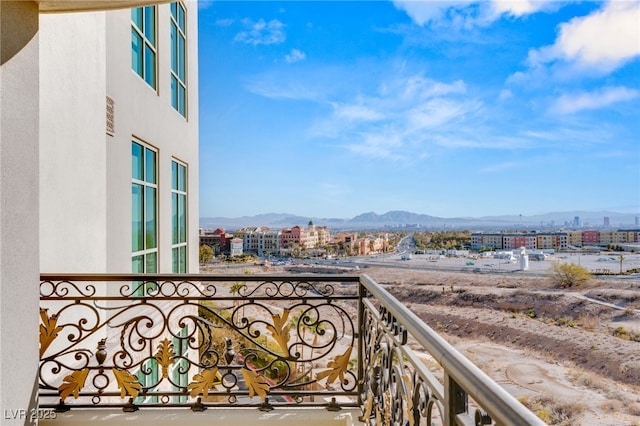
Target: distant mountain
{"points": [[404, 219], [395, 218], [272, 220]]}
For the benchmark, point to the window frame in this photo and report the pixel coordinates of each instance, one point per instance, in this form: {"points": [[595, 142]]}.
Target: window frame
{"points": [[178, 68], [179, 231], [145, 43], [143, 245]]}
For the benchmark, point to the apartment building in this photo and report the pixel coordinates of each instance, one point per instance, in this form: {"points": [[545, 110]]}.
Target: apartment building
{"points": [[264, 241], [267, 242], [554, 240], [574, 238], [293, 237], [119, 140]]}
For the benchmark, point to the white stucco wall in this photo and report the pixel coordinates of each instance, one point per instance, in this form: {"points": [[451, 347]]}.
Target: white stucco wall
{"points": [[18, 208], [73, 171]]}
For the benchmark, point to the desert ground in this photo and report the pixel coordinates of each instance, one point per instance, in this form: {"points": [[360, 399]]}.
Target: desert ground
{"points": [[570, 355], [570, 359]]}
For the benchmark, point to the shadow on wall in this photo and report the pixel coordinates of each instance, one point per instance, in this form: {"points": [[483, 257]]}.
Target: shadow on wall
{"points": [[18, 25]]}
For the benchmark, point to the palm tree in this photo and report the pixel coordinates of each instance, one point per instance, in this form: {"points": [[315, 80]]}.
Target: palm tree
{"points": [[235, 290], [622, 257]]}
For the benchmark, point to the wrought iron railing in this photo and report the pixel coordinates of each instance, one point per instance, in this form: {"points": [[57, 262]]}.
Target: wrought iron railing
{"points": [[262, 341]]}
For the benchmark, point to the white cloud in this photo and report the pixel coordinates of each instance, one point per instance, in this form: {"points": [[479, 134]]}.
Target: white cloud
{"points": [[386, 144], [603, 41], [505, 94], [422, 88], [204, 4], [567, 104], [356, 112], [436, 113], [519, 8], [294, 56], [262, 32], [402, 121], [224, 22], [469, 13], [425, 12], [499, 167]]}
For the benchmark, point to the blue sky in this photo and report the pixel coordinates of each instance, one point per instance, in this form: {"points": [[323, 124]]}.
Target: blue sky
{"points": [[331, 109]]}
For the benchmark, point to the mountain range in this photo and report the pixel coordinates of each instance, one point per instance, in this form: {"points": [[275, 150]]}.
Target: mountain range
{"points": [[403, 219]]}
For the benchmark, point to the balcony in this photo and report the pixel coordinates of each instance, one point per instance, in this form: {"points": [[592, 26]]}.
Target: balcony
{"points": [[319, 349]]}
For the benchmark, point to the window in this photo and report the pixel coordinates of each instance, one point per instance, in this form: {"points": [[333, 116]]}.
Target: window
{"points": [[178, 58], [181, 368], [179, 216], [148, 377], [144, 212], [143, 43]]}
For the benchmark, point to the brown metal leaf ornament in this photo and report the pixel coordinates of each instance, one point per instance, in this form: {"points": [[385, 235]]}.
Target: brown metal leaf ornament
{"points": [[165, 356], [127, 382], [280, 330], [337, 368], [203, 382], [256, 384], [73, 383], [49, 330]]}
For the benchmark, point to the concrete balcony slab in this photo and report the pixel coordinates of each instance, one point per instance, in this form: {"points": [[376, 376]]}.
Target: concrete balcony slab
{"points": [[226, 416]]}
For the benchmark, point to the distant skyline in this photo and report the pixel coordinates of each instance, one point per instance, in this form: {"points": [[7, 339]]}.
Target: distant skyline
{"points": [[331, 109]]}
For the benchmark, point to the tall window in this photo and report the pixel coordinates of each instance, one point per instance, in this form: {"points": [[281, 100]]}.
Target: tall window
{"points": [[143, 43], [178, 58], [179, 216], [144, 210]]}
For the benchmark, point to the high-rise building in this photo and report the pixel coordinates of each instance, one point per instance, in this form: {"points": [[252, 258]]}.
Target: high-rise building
{"points": [[98, 134], [119, 140]]}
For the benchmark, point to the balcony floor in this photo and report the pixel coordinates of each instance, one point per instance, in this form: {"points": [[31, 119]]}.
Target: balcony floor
{"points": [[225, 416]]}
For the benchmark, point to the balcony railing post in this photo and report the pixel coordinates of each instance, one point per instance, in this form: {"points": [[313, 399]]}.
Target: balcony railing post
{"points": [[455, 400], [362, 292]]}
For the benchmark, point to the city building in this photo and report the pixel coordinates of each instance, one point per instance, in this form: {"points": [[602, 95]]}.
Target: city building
{"points": [[235, 247], [554, 240], [219, 240]]}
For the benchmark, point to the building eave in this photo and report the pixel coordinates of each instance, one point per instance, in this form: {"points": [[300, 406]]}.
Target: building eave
{"points": [[63, 6]]}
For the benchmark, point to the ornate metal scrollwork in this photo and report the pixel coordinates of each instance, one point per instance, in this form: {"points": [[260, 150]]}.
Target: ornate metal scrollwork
{"points": [[393, 392], [185, 343]]}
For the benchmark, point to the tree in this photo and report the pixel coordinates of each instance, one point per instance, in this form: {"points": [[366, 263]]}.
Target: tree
{"points": [[206, 254], [235, 291], [567, 275], [621, 259]]}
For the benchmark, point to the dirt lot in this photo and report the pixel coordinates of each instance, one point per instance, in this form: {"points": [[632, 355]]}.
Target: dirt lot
{"points": [[573, 357], [568, 355]]}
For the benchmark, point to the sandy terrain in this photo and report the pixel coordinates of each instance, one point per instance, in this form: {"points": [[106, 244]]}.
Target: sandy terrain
{"points": [[573, 357], [557, 351]]}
